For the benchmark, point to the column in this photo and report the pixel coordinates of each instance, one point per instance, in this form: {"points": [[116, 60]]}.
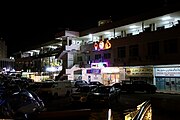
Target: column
{"points": [[152, 27], [114, 33]]}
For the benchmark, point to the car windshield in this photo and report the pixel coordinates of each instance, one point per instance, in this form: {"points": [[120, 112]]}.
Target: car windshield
{"points": [[85, 88], [95, 83], [102, 89]]}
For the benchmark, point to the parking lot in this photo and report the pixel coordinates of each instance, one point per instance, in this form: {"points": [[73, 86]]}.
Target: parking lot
{"points": [[164, 106]]}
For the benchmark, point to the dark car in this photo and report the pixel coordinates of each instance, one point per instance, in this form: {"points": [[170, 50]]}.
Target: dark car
{"points": [[117, 85], [79, 83], [29, 80], [103, 94], [137, 85], [96, 83], [81, 93]]}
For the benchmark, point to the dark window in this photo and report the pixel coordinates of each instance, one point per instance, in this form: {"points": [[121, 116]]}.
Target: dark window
{"points": [[107, 55], [153, 48], [170, 46], [121, 52], [133, 50], [98, 56], [79, 58], [89, 58]]}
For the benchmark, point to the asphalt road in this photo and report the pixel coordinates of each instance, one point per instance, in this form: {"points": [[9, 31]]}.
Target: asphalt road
{"points": [[164, 107]]}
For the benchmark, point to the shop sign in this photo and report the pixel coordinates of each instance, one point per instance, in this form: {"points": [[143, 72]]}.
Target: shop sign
{"points": [[102, 45], [111, 70], [167, 72], [93, 71], [139, 71], [99, 65]]}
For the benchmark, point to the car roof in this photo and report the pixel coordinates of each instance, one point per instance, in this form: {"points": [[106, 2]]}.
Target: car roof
{"points": [[86, 85]]}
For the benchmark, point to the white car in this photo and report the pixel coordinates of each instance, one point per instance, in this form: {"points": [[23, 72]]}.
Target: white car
{"points": [[56, 88]]}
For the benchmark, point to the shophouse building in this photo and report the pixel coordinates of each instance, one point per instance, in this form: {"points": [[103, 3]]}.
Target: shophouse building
{"points": [[143, 47]]}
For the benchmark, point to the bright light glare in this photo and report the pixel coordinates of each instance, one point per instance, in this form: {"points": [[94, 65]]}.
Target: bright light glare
{"points": [[133, 26], [90, 35], [53, 69], [166, 18], [109, 115], [107, 33]]}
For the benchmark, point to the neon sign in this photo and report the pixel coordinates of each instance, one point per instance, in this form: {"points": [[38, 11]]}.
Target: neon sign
{"points": [[93, 71], [107, 45], [99, 65], [102, 45], [96, 46]]}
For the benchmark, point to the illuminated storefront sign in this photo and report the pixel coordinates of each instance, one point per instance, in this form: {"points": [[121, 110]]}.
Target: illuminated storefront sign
{"points": [[96, 46], [99, 65], [139, 71], [102, 45], [112, 70], [54, 69], [167, 72], [93, 71]]}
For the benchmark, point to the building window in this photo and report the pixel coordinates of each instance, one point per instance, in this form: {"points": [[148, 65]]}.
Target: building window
{"points": [[107, 55], [97, 56], [134, 51], [121, 52], [153, 49], [79, 58], [170, 46], [89, 58]]}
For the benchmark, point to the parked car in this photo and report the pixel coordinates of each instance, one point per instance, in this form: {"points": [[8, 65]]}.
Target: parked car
{"points": [[103, 94], [117, 86], [20, 104], [79, 83], [56, 89], [29, 80], [95, 83], [137, 85], [21, 83], [81, 93], [35, 86]]}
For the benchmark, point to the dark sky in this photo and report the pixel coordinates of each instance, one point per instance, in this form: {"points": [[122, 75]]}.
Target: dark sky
{"points": [[25, 24]]}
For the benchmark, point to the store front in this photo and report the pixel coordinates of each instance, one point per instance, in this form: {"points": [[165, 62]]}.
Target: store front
{"points": [[168, 79], [112, 75], [140, 73], [92, 74]]}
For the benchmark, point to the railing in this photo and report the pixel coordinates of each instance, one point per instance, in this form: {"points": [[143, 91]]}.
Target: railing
{"points": [[143, 112]]}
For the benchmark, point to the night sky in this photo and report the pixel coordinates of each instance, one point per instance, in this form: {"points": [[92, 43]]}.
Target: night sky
{"points": [[25, 24]]}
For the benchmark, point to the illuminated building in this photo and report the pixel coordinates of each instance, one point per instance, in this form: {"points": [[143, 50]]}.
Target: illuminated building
{"points": [[5, 63], [142, 47]]}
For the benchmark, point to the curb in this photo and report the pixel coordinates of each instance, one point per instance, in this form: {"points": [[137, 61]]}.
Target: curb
{"points": [[168, 92]]}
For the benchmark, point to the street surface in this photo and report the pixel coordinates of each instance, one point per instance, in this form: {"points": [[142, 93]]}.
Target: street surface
{"points": [[164, 107]]}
